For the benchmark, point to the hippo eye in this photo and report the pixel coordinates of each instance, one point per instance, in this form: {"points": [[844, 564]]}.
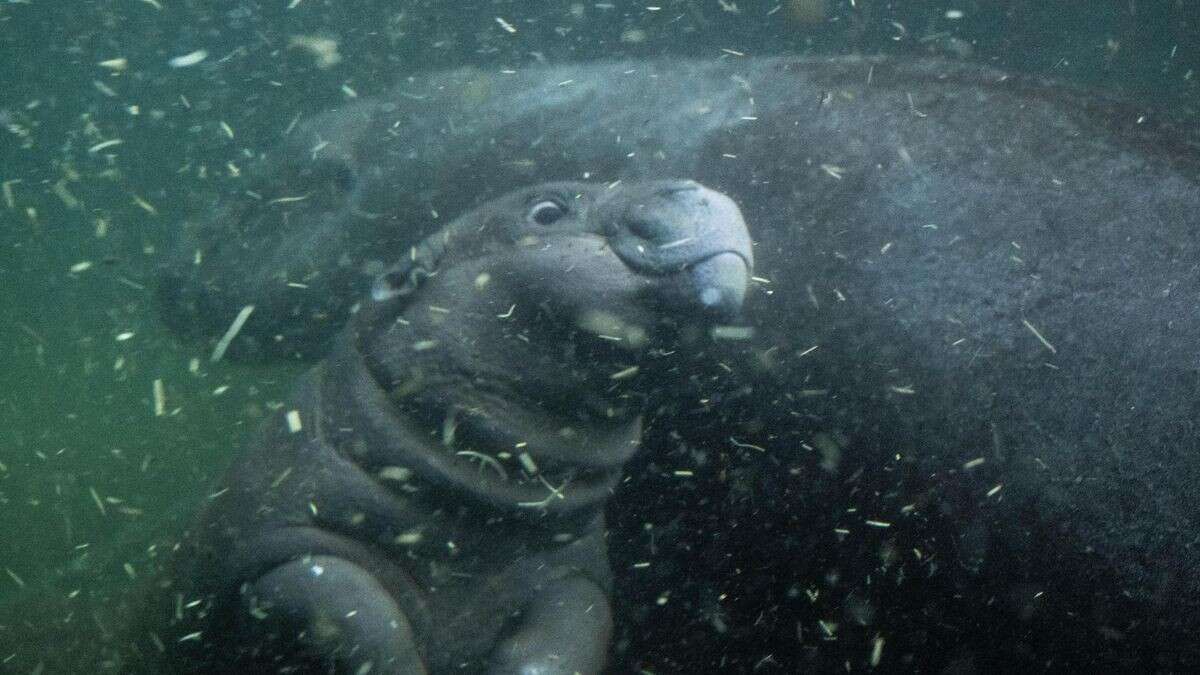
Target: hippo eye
{"points": [[547, 212]]}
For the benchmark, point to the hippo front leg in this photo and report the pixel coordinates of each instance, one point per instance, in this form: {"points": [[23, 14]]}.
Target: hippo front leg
{"points": [[331, 611], [564, 630]]}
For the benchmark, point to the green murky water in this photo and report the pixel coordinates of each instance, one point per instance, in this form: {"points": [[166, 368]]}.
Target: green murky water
{"points": [[105, 148]]}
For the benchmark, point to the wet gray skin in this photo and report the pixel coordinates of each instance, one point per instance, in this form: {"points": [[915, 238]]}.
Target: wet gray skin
{"points": [[440, 507], [963, 264]]}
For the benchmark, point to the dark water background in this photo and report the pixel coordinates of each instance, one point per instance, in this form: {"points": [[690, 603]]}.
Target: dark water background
{"points": [[88, 471]]}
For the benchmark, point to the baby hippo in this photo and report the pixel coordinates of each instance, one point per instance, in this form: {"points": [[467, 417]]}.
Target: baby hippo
{"points": [[431, 498]]}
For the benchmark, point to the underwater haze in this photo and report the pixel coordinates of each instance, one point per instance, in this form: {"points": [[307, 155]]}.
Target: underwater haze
{"points": [[125, 124]]}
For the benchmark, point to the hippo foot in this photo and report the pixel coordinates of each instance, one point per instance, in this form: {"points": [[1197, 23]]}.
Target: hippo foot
{"points": [[331, 612]]}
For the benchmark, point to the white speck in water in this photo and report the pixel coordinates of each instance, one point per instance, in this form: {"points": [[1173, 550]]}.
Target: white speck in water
{"points": [[188, 59]]}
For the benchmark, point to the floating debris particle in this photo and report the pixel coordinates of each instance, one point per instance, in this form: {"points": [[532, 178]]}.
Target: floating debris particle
{"points": [[293, 421], [508, 27], [105, 144], [878, 523], [231, 333], [15, 577], [99, 502], [9, 200], [81, 266], [410, 538], [69, 200], [220, 390], [1041, 338], [676, 244], [396, 473], [624, 374], [288, 200], [527, 463], [190, 59], [834, 171], [450, 427], [731, 332], [748, 446], [117, 64], [104, 89], [996, 490], [127, 335], [145, 205], [160, 399], [971, 464], [485, 460], [324, 50], [876, 651], [191, 637]]}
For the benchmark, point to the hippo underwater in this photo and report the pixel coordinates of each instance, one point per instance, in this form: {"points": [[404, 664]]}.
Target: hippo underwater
{"points": [[965, 428], [423, 503]]}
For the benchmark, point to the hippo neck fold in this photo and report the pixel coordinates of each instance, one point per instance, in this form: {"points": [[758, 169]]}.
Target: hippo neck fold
{"points": [[379, 436]]}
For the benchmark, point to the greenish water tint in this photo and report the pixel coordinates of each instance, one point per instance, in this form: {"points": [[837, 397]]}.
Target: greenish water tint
{"points": [[105, 149]]}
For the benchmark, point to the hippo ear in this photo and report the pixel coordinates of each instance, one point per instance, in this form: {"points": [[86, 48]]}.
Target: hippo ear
{"points": [[406, 276]]}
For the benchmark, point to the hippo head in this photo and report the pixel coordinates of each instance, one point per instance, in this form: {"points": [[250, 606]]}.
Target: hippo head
{"points": [[521, 334]]}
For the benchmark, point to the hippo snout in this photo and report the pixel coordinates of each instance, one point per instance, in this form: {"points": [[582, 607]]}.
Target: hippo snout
{"points": [[720, 282], [684, 230]]}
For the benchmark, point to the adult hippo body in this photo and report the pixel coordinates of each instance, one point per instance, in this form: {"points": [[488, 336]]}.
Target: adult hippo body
{"points": [[423, 506], [978, 335]]}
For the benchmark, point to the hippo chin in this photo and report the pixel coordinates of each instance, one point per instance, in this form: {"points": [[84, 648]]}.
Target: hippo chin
{"points": [[430, 500]]}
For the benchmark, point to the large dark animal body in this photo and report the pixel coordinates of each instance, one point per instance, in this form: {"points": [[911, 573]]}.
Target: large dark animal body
{"points": [[983, 299]]}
